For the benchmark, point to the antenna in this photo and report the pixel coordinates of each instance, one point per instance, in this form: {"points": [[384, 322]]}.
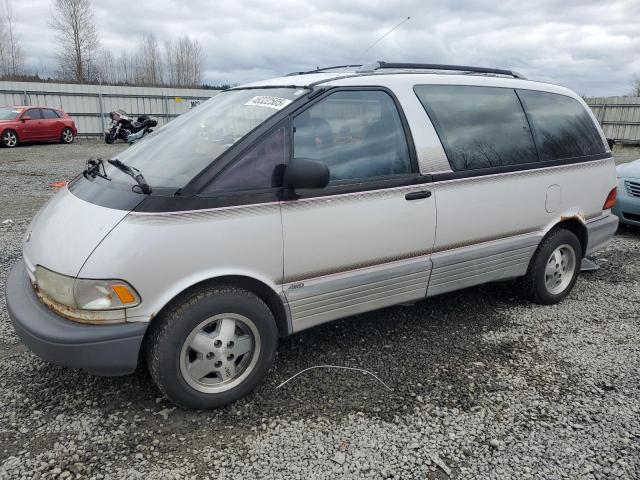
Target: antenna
{"points": [[379, 39]]}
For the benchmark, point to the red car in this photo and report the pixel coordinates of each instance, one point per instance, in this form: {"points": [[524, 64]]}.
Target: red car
{"points": [[35, 124]]}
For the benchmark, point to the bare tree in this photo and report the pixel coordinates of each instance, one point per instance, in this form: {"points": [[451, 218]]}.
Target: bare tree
{"points": [[179, 63], [11, 58], [184, 59], [106, 67], [635, 86], [76, 32], [149, 62]]}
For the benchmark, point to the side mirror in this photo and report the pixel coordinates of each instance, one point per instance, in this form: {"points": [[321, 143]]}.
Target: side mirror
{"points": [[25, 117], [305, 173]]}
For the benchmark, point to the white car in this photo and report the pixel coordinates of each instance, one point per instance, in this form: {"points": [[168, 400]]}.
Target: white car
{"points": [[284, 204]]}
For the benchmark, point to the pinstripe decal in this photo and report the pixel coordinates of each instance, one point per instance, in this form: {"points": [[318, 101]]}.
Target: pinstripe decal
{"points": [[172, 218], [331, 200], [527, 173], [387, 261]]}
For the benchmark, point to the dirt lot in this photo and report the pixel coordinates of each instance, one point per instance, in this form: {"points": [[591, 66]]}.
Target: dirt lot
{"points": [[485, 385]]}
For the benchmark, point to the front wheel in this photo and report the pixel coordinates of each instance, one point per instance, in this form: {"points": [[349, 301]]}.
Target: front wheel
{"points": [[554, 268], [108, 138], [212, 348], [9, 139], [67, 136]]}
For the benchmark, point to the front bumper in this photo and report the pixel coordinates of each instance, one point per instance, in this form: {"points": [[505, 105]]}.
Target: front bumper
{"points": [[98, 349], [627, 208]]}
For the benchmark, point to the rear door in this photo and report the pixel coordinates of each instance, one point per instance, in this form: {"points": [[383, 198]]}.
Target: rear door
{"points": [[52, 124], [364, 241]]}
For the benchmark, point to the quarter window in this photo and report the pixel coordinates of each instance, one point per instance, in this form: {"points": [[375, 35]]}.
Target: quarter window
{"points": [[562, 127], [357, 134], [480, 127], [261, 167]]}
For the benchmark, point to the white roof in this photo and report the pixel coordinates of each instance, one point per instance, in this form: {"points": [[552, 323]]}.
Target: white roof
{"points": [[397, 78]]}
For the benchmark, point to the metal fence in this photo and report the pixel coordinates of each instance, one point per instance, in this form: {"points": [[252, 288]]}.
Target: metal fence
{"points": [[619, 117], [89, 105]]}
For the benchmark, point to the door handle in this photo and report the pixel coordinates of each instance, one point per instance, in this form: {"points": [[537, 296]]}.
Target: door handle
{"points": [[418, 195]]}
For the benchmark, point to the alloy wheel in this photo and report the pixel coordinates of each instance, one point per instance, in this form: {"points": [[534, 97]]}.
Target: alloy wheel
{"points": [[67, 135], [10, 139], [220, 353], [560, 269]]}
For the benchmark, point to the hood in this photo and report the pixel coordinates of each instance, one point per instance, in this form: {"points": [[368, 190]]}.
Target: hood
{"points": [[630, 170], [65, 232]]}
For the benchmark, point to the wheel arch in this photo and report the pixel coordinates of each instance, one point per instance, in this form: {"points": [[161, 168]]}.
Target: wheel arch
{"points": [[265, 292], [577, 226]]}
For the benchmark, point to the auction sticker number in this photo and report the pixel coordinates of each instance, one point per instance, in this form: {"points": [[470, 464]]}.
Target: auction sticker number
{"points": [[268, 101]]}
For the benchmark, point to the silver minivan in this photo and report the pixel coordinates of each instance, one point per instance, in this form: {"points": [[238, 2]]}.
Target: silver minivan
{"points": [[284, 204]]}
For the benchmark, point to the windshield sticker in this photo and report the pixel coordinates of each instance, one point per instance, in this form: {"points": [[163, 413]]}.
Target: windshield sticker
{"points": [[268, 101]]}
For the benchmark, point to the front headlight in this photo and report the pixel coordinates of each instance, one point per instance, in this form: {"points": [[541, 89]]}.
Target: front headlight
{"points": [[86, 294]]}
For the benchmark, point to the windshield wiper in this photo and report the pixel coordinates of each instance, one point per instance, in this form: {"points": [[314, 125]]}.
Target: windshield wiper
{"points": [[133, 173]]}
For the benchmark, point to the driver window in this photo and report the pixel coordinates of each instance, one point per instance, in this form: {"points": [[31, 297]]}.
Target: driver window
{"points": [[33, 113], [357, 134]]}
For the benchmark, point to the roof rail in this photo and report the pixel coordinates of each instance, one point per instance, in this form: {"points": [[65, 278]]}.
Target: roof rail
{"points": [[323, 69], [434, 66]]}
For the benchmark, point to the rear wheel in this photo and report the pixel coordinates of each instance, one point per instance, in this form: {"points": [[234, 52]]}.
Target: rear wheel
{"points": [[554, 268], [67, 136], [9, 139], [212, 348]]}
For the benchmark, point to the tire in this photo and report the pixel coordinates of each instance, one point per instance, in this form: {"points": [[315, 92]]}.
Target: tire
{"points": [[108, 138], [190, 347], [550, 278], [9, 139], [66, 136]]}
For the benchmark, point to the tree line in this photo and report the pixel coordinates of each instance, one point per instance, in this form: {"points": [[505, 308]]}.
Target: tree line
{"points": [[81, 58]]}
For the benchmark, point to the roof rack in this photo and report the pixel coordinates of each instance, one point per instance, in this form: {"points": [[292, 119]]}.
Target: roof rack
{"points": [[434, 66], [323, 69]]}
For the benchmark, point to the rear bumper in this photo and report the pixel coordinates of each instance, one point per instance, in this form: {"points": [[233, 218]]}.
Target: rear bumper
{"points": [[98, 349], [600, 232]]}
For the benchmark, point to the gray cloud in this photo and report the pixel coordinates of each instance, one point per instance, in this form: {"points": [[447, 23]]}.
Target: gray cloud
{"points": [[592, 47]]}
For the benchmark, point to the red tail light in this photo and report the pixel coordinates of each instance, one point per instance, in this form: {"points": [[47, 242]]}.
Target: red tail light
{"points": [[611, 199]]}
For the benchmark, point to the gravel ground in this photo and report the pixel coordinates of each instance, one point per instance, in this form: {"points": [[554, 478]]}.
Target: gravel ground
{"points": [[485, 385]]}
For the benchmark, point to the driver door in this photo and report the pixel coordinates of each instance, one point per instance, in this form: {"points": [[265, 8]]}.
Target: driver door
{"points": [[364, 241], [32, 129]]}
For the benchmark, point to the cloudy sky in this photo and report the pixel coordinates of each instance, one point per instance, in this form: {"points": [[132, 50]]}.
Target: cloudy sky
{"points": [[590, 46]]}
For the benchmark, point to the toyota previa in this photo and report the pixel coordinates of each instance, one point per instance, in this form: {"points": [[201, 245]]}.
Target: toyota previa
{"points": [[284, 204]]}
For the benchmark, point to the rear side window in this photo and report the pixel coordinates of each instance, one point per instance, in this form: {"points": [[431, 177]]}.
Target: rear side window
{"points": [[561, 126], [47, 113], [261, 167], [357, 134], [479, 127]]}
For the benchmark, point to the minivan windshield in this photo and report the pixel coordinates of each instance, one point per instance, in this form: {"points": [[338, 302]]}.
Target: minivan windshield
{"points": [[8, 114], [171, 156]]}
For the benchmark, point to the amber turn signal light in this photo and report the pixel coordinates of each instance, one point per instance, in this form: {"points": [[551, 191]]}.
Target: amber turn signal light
{"points": [[124, 294]]}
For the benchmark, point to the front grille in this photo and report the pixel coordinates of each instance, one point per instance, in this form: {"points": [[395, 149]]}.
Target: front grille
{"points": [[634, 217], [633, 188]]}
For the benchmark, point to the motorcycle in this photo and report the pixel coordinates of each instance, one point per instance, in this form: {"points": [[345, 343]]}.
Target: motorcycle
{"points": [[123, 127]]}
